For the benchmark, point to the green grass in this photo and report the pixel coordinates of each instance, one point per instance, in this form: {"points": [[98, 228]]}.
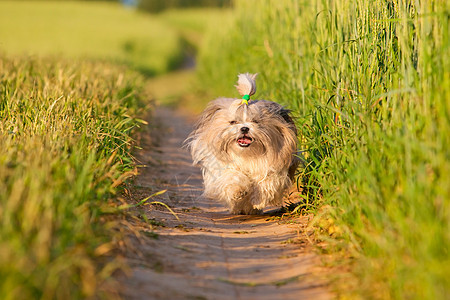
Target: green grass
{"points": [[64, 147], [369, 82], [94, 30]]}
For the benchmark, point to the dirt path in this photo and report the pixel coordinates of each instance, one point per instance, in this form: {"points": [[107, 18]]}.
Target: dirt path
{"points": [[209, 254]]}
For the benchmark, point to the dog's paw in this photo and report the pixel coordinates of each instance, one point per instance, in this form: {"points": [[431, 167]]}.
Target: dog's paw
{"points": [[243, 208]]}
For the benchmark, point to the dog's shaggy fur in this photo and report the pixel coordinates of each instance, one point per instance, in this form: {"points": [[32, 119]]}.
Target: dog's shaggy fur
{"points": [[246, 152]]}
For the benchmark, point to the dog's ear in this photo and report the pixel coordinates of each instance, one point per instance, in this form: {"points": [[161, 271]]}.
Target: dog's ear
{"points": [[281, 112], [208, 114], [277, 109], [286, 115]]}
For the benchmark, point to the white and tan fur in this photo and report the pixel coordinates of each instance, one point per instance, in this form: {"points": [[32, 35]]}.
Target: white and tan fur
{"points": [[246, 152]]}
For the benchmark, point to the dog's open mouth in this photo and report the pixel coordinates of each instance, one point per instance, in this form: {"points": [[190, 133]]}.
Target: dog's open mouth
{"points": [[244, 141]]}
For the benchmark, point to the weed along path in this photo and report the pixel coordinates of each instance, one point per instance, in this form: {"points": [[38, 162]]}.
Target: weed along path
{"points": [[207, 253]]}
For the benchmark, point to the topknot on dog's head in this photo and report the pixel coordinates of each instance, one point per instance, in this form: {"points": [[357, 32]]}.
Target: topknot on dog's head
{"points": [[246, 84]]}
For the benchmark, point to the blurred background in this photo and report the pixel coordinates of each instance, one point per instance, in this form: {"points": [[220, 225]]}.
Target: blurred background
{"points": [[151, 36]]}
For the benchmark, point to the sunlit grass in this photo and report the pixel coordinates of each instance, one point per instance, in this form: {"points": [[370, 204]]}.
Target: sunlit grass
{"points": [[64, 145], [369, 82]]}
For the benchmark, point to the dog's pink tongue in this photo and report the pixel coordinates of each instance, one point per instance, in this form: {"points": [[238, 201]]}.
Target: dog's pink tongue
{"points": [[244, 140]]}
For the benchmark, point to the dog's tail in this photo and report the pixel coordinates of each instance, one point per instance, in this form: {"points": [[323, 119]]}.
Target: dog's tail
{"points": [[246, 84]]}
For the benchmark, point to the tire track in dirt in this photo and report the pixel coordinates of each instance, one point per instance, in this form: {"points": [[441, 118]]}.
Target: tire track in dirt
{"points": [[208, 253]]}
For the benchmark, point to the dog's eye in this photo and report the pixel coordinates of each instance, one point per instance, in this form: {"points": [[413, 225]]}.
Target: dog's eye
{"points": [[255, 121], [233, 122]]}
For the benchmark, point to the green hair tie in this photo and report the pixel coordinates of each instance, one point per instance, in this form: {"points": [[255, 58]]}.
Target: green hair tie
{"points": [[245, 99]]}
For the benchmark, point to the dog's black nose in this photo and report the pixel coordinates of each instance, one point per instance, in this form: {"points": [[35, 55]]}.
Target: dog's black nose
{"points": [[244, 129]]}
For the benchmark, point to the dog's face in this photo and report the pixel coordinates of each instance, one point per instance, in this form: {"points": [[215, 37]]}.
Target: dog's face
{"points": [[261, 128]]}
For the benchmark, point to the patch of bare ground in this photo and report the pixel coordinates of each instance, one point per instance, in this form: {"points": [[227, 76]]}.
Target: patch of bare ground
{"points": [[208, 253]]}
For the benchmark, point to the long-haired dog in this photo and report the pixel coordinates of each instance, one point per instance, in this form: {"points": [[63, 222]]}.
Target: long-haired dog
{"points": [[246, 149]]}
